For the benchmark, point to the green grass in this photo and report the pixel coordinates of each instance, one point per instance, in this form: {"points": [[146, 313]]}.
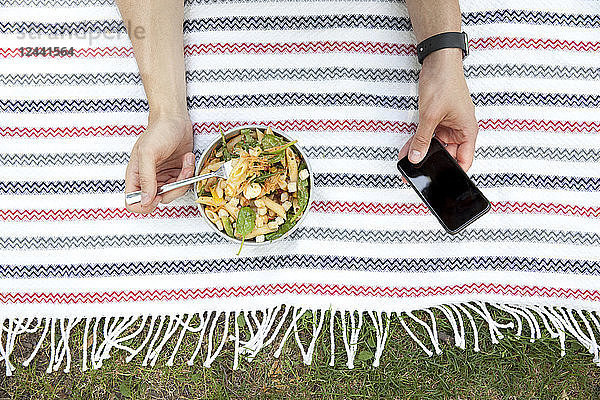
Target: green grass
{"points": [[512, 369]]}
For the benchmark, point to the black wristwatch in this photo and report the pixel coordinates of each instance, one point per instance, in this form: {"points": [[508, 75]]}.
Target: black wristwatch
{"points": [[442, 41]]}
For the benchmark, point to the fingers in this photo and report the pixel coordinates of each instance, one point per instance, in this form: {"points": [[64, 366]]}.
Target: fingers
{"points": [[464, 154], [147, 175], [404, 150], [420, 141], [466, 150], [187, 171], [132, 184], [451, 148]]}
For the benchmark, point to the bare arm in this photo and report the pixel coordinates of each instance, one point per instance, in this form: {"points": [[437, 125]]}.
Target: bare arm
{"points": [[163, 153], [445, 107]]}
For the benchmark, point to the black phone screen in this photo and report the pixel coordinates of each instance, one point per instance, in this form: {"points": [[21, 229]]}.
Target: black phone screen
{"points": [[445, 188]]}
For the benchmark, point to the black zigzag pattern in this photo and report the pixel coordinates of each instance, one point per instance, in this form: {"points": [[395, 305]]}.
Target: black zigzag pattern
{"points": [[266, 263], [534, 71], [219, 75], [437, 236], [65, 29], [231, 23], [493, 152], [304, 99], [318, 152], [49, 159], [482, 180], [72, 242], [306, 233], [362, 153], [71, 106], [109, 78], [308, 74], [297, 99], [535, 99], [531, 18], [61, 187], [321, 180], [359, 180], [227, 101], [542, 153], [577, 183], [281, 22], [312, 22], [322, 152]]}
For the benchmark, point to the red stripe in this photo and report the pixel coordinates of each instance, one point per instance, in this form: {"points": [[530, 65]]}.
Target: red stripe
{"points": [[191, 211], [115, 130], [320, 125], [382, 48], [490, 43], [506, 207], [297, 289]]}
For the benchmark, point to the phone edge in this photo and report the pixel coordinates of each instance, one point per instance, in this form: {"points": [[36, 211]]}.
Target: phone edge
{"points": [[446, 228]]}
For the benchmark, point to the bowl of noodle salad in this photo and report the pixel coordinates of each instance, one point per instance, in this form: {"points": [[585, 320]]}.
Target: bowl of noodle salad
{"points": [[269, 189]]}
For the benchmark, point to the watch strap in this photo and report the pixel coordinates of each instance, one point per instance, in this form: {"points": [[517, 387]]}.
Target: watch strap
{"points": [[442, 41]]}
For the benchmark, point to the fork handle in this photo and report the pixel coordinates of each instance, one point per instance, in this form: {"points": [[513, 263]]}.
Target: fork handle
{"points": [[136, 197]]}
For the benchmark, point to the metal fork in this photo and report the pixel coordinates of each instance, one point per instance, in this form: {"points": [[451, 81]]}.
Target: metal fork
{"points": [[223, 172]]}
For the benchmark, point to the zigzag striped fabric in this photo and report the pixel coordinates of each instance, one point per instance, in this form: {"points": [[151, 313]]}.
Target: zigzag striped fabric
{"points": [[341, 77]]}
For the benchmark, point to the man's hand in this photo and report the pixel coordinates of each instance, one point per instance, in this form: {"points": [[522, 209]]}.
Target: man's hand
{"points": [[162, 154], [445, 108]]}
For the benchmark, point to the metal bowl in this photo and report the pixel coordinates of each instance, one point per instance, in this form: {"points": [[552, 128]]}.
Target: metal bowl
{"points": [[228, 135]]}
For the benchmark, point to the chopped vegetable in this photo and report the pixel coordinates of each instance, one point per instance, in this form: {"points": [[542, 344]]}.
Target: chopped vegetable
{"points": [[266, 192], [279, 149], [270, 141], [246, 221], [263, 177], [226, 154], [227, 226], [302, 194], [285, 227]]}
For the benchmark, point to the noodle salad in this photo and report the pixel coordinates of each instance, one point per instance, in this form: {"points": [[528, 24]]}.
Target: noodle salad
{"points": [[267, 190]]}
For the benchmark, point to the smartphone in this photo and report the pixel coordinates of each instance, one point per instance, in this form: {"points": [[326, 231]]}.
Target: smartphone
{"points": [[445, 188]]}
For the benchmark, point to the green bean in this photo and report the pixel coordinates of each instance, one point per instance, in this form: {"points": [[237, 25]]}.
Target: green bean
{"points": [[285, 227], [227, 226]]}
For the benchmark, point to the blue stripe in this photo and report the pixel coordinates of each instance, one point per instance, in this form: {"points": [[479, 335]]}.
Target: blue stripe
{"points": [[320, 152], [304, 233], [586, 184], [306, 22], [297, 99], [306, 74], [318, 262]]}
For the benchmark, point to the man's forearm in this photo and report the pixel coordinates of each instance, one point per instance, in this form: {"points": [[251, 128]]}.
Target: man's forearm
{"points": [[430, 17], [445, 106], [156, 32]]}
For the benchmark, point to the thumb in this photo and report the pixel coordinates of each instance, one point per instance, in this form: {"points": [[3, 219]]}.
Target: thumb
{"points": [[147, 174], [422, 138]]}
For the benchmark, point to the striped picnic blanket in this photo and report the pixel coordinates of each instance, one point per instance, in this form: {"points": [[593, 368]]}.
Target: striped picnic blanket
{"points": [[341, 77]]}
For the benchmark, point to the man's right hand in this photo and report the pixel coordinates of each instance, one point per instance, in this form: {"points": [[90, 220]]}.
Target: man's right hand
{"points": [[445, 108], [162, 154]]}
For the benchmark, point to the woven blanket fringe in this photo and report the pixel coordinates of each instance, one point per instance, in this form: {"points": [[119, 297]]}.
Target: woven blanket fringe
{"points": [[256, 329]]}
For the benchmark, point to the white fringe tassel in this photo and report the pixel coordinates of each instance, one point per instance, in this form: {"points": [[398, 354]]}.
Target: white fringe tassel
{"points": [[254, 330]]}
